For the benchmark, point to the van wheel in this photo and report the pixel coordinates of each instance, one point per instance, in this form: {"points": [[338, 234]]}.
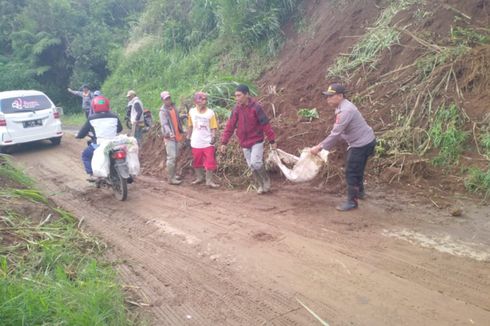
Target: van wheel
{"points": [[56, 140]]}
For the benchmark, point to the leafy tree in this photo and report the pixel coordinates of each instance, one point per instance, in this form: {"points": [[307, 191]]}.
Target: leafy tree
{"points": [[64, 43]]}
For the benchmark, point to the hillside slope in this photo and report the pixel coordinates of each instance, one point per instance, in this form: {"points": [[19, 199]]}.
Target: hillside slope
{"points": [[438, 59], [418, 70]]}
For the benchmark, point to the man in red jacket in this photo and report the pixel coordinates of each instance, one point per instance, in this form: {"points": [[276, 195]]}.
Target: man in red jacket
{"points": [[251, 123]]}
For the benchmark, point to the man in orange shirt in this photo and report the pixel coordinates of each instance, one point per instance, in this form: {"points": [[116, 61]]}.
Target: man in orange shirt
{"points": [[173, 135]]}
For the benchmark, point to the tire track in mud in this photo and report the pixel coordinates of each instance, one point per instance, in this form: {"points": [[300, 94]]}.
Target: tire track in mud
{"points": [[139, 249], [411, 270], [231, 258], [198, 284]]}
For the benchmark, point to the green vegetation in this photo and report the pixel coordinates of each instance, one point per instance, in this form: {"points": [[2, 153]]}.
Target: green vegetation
{"points": [[380, 37], [461, 40], [485, 143], [478, 181], [9, 172], [191, 45], [74, 119], [427, 64], [29, 194], [470, 36], [308, 114], [53, 44], [50, 273], [447, 135]]}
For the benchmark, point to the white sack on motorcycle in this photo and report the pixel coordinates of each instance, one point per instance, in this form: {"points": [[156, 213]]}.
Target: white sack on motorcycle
{"points": [[101, 161]]}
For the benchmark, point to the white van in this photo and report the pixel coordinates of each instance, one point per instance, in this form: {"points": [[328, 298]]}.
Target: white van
{"points": [[27, 116]]}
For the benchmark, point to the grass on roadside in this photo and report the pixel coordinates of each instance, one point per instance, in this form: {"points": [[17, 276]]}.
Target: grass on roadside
{"points": [[74, 119], [8, 171], [50, 273]]}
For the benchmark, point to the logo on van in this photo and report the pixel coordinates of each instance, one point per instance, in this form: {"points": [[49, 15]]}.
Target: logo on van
{"points": [[20, 104]]}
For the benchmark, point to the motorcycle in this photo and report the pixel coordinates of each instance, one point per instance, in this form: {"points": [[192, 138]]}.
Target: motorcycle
{"points": [[147, 118], [119, 176]]}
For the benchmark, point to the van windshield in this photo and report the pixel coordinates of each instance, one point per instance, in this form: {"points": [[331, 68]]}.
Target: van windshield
{"points": [[24, 104]]}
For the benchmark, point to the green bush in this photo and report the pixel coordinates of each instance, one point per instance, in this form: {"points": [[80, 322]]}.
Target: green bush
{"points": [[478, 181], [447, 135], [309, 114], [485, 142]]}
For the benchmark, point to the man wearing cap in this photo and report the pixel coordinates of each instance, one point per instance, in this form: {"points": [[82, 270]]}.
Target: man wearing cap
{"points": [[86, 96], [251, 123], [350, 126], [201, 131], [173, 135], [135, 107]]}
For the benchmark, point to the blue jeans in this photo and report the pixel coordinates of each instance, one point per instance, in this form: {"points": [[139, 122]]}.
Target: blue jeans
{"points": [[87, 155], [254, 156]]}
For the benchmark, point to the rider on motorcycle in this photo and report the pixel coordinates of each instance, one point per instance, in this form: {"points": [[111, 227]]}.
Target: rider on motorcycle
{"points": [[104, 124]]}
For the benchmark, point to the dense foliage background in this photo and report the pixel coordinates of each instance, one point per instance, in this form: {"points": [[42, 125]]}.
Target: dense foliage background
{"points": [[182, 45], [54, 44]]}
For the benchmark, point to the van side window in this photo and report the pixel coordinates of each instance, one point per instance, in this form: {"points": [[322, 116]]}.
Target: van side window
{"points": [[25, 103]]}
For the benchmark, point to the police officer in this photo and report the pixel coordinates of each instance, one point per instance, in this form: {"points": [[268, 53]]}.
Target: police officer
{"points": [[350, 126]]}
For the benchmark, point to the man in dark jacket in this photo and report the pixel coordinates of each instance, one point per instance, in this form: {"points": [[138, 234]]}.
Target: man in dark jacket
{"points": [[251, 123], [350, 126], [105, 126]]}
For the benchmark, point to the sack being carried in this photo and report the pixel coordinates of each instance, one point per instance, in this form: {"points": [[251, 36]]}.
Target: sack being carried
{"points": [[305, 167], [100, 160]]}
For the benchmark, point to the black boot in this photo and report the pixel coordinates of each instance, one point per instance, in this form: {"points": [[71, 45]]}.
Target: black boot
{"points": [[351, 203]]}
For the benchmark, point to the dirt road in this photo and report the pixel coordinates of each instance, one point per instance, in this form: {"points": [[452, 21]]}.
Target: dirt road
{"points": [[228, 257]]}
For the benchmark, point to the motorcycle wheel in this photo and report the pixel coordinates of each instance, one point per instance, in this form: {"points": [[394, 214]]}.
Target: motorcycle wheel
{"points": [[119, 186]]}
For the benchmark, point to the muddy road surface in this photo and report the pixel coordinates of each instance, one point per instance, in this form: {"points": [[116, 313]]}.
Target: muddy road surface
{"points": [[230, 257]]}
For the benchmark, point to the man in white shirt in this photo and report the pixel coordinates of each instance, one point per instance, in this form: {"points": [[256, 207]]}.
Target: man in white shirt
{"points": [[202, 126]]}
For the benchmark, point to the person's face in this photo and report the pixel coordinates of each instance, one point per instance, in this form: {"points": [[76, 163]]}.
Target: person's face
{"points": [[334, 100], [202, 102], [241, 98], [130, 97], [85, 89], [167, 101]]}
